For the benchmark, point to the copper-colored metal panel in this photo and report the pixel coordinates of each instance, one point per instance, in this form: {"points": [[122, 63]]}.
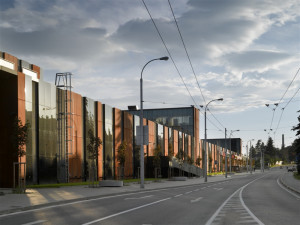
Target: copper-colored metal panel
{"points": [[118, 136], [100, 135], [12, 59], [175, 144], [128, 137], [166, 140], [37, 70]]}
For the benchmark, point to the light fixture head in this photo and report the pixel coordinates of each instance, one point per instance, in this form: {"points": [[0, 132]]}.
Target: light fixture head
{"points": [[164, 58]]}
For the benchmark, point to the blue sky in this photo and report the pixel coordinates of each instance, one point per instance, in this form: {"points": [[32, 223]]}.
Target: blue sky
{"points": [[246, 52]]}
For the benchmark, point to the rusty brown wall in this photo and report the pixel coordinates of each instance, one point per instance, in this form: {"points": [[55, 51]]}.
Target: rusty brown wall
{"points": [[152, 138], [166, 140], [100, 135], [12, 59], [128, 137], [76, 158], [118, 136], [175, 142]]}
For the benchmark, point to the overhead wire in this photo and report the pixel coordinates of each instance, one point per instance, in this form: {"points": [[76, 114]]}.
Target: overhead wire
{"points": [[169, 53], [187, 54], [189, 59], [282, 109]]}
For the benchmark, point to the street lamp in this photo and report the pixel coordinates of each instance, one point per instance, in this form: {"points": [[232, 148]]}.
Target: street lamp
{"points": [[250, 156], [141, 122], [205, 137], [231, 132]]}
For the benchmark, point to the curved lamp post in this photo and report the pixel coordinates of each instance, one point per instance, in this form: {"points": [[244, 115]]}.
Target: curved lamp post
{"points": [[142, 124], [205, 137], [248, 152]]}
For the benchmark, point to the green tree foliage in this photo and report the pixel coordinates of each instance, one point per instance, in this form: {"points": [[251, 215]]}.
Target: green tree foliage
{"points": [[122, 153], [297, 141], [20, 137], [189, 160], [157, 155], [180, 154], [93, 146], [170, 151], [198, 161]]}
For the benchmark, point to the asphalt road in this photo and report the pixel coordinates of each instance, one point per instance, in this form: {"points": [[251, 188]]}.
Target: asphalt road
{"points": [[252, 199]]}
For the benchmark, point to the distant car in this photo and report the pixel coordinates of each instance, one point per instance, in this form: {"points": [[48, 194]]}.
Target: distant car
{"points": [[291, 169]]}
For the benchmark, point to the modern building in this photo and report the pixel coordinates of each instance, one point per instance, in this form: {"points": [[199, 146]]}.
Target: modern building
{"points": [[63, 123]]}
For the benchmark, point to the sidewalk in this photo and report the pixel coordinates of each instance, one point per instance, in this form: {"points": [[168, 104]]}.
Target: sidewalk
{"points": [[48, 196], [290, 182]]}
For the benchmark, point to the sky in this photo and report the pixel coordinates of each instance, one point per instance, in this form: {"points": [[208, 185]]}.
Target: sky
{"points": [[246, 52]]}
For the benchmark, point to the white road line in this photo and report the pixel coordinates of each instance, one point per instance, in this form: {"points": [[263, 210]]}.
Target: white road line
{"points": [[210, 221], [284, 188], [176, 196], [196, 190], [148, 196], [196, 200], [188, 192], [35, 222], [126, 211], [203, 188]]}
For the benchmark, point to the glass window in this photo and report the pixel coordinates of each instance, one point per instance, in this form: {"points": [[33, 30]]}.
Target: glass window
{"points": [[108, 143], [160, 137]]}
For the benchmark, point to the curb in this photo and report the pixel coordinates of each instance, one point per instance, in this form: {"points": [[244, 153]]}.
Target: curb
{"points": [[287, 186], [25, 208]]}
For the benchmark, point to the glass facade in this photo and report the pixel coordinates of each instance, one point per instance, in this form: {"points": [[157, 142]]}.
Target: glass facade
{"points": [[160, 137], [171, 141], [186, 145], [136, 147], [180, 143], [181, 119], [89, 126], [30, 152], [108, 142], [47, 153]]}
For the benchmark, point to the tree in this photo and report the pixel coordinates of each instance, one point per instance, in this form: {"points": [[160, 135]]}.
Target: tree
{"points": [[198, 161], [296, 143], [121, 157], [20, 137], [270, 152], [156, 160], [93, 149], [170, 151], [157, 155]]}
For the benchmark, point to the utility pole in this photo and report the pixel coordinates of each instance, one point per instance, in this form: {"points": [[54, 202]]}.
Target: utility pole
{"points": [[250, 158], [225, 154], [247, 158]]}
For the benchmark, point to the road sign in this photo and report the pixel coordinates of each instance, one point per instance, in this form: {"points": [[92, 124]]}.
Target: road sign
{"points": [[145, 134]]}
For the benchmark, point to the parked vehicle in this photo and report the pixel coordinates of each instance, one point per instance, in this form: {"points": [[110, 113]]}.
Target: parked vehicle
{"points": [[291, 169]]}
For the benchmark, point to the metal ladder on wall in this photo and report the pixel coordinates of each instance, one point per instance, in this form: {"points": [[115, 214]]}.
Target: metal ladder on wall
{"points": [[63, 81]]}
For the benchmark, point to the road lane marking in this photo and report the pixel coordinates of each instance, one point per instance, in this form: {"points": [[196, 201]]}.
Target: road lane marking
{"points": [[218, 189], [126, 211], [284, 188], [35, 222], [196, 200], [196, 190], [176, 196], [148, 196], [188, 192], [219, 213]]}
